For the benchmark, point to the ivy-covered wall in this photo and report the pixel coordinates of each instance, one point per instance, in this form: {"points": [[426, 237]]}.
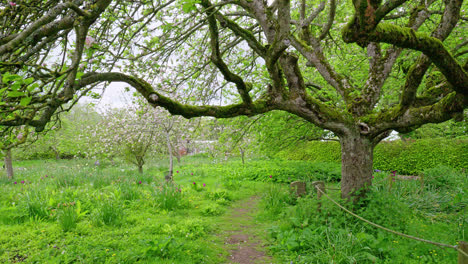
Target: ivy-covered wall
{"points": [[409, 157]]}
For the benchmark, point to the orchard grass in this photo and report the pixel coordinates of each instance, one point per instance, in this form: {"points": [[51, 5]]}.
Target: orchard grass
{"points": [[69, 211]]}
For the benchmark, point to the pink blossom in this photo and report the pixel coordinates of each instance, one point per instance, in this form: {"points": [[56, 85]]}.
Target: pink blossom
{"points": [[22, 181], [191, 173], [12, 3], [139, 182], [270, 176], [204, 185], [89, 41], [19, 136]]}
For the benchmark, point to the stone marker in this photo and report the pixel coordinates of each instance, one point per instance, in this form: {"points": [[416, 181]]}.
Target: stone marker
{"points": [[299, 188]]}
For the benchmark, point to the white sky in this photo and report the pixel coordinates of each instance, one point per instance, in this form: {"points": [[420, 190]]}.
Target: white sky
{"points": [[114, 96]]}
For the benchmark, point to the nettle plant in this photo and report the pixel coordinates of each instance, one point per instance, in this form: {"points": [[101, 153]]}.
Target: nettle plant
{"points": [[359, 69]]}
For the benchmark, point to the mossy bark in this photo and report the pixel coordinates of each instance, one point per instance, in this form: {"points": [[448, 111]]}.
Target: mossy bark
{"points": [[9, 164], [356, 166]]}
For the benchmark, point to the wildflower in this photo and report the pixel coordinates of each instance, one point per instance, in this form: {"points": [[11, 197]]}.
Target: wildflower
{"points": [[194, 183], [46, 176], [22, 182], [12, 3], [19, 136], [270, 176], [204, 185], [377, 170], [191, 173], [177, 171], [15, 183], [139, 182]]}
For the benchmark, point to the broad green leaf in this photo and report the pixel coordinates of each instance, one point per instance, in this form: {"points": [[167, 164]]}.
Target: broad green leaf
{"points": [[25, 101], [29, 80], [15, 94]]}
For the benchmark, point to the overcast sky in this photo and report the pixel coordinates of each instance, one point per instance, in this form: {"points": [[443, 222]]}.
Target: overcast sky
{"points": [[114, 96]]}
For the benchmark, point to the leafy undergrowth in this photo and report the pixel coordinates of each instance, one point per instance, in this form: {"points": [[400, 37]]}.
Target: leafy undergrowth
{"points": [[72, 211], [281, 171], [436, 210]]}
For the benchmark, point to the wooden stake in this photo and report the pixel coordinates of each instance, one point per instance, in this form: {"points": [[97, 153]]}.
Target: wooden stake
{"points": [[421, 180], [463, 246], [321, 186], [390, 181]]}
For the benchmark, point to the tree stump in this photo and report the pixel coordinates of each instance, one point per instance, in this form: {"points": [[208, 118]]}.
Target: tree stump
{"points": [[298, 188]]}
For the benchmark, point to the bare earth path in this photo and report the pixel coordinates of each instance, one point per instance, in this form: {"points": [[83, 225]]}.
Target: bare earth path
{"points": [[242, 238]]}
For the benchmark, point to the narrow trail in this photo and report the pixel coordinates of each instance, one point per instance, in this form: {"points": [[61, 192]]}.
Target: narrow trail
{"points": [[240, 234]]}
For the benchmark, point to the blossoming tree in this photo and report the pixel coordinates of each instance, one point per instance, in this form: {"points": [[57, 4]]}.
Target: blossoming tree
{"points": [[358, 68]]}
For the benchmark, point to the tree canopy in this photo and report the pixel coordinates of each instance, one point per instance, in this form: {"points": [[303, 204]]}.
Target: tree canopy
{"points": [[358, 68]]}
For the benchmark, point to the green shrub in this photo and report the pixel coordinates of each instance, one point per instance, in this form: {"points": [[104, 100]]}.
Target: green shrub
{"points": [[108, 213], [407, 157], [218, 194], [34, 204], [317, 151], [212, 209], [413, 157], [67, 217], [128, 192], [442, 177], [274, 199], [168, 196], [165, 248]]}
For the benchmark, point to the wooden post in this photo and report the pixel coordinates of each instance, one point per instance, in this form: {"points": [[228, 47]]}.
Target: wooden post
{"points": [[321, 186], [463, 246], [421, 180], [390, 182]]}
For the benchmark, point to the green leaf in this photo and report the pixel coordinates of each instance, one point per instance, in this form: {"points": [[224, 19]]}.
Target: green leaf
{"points": [[15, 94], [29, 80], [7, 77], [25, 101], [32, 87]]}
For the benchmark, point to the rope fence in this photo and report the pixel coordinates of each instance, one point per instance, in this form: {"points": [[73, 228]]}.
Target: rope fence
{"points": [[462, 257]]}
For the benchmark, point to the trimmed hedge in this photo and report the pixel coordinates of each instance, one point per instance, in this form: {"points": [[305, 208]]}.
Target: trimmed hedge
{"points": [[406, 157], [283, 171]]}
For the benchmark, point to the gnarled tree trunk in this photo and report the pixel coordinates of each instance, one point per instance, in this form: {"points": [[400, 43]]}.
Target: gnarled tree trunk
{"points": [[8, 164], [356, 166]]}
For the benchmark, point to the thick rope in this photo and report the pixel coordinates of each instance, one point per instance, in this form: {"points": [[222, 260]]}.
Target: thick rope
{"points": [[392, 231]]}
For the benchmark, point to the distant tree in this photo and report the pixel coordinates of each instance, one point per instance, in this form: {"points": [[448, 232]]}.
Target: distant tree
{"points": [[128, 132], [68, 137], [16, 136]]}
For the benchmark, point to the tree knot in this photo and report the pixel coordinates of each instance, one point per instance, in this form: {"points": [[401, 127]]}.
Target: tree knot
{"points": [[364, 128], [153, 97]]}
